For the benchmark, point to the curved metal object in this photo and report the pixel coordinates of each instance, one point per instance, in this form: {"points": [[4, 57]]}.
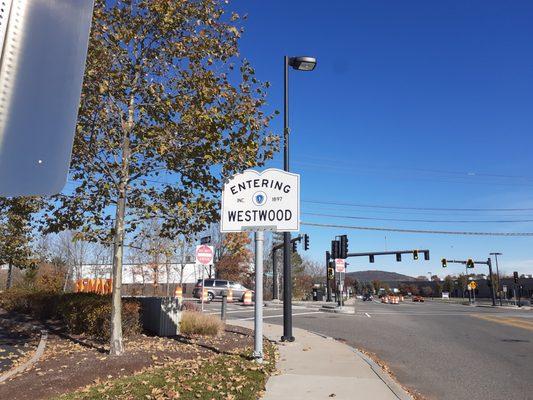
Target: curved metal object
{"points": [[44, 48]]}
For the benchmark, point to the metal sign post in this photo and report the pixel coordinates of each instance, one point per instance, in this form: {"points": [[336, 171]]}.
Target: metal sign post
{"points": [[204, 257], [258, 321]]}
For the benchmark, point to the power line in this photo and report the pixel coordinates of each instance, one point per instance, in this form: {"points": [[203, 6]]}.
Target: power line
{"points": [[461, 233], [326, 162], [414, 208], [319, 208], [416, 220]]}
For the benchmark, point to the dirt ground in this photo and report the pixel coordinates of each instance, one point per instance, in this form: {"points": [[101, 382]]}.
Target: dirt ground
{"points": [[71, 363]]}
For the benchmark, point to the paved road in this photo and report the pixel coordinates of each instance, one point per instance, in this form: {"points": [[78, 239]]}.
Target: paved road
{"points": [[442, 351]]}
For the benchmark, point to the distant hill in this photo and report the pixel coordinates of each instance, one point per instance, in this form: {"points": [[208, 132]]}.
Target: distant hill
{"points": [[384, 276]]}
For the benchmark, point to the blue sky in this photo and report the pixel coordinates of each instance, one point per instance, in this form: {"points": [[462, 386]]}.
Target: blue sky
{"points": [[414, 104]]}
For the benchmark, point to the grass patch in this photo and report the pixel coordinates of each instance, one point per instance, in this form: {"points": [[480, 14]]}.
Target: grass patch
{"points": [[228, 377], [195, 323]]}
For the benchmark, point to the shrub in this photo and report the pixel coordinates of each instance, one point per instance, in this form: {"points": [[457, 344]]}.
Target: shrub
{"points": [[82, 313], [195, 323]]}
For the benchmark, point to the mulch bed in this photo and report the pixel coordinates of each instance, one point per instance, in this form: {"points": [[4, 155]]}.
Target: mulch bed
{"points": [[73, 362]]}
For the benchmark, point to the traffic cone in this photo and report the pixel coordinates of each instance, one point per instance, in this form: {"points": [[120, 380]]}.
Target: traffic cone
{"points": [[247, 299], [230, 296], [179, 293]]}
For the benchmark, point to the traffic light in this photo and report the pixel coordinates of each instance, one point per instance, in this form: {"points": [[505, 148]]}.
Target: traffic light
{"points": [[444, 263], [415, 254], [469, 263], [515, 276], [426, 255], [335, 249], [306, 242], [343, 247], [294, 248], [398, 257], [371, 258], [331, 273]]}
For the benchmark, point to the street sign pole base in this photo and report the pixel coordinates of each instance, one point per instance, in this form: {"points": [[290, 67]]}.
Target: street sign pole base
{"points": [[287, 338], [258, 357]]}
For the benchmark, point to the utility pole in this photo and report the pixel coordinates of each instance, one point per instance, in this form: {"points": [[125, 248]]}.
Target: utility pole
{"points": [[498, 276], [489, 263], [328, 282]]}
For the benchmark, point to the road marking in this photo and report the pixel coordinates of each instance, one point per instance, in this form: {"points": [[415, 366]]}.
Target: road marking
{"points": [[233, 311], [281, 315], [517, 323], [367, 314]]}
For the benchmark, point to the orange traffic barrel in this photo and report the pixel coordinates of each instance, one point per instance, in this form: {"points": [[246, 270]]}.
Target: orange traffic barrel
{"points": [[102, 286], [178, 292], [85, 285], [247, 298], [97, 285], [108, 286], [79, 286], [230, 296]]}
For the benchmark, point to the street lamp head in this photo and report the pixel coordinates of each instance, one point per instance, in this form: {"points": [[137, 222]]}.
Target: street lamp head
{"points": [[496, 254], [303, 63]]}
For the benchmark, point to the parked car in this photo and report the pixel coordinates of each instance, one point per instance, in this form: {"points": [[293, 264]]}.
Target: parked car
{"points": [[368, 297], [385, 299], [419, 299], [216, 287]]}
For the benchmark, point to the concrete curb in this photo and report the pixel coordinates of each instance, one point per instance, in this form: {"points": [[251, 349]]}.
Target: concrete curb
{"points": [[38, 354], [394, 387], [345, 310], [516, 308]]}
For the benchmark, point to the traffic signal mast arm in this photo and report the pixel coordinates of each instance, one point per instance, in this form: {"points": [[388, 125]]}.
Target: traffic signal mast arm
{"points": [[465, 261], [470, 264], [293, 240], [385, 253]]}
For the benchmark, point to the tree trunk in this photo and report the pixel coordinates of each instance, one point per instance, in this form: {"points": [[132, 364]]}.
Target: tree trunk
{"points": [[67, 277], [116, 345], [9, 281]]}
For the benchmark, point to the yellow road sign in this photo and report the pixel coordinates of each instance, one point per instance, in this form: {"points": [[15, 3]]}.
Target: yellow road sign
{"points": [[472, 285]]}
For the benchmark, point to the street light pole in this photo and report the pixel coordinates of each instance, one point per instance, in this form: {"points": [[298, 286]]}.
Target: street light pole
{"points": [[301, 64], [498, 275], [287, 276]]}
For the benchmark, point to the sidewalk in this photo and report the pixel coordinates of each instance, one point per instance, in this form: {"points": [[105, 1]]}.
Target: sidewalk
{"points": [[317, 367]]}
